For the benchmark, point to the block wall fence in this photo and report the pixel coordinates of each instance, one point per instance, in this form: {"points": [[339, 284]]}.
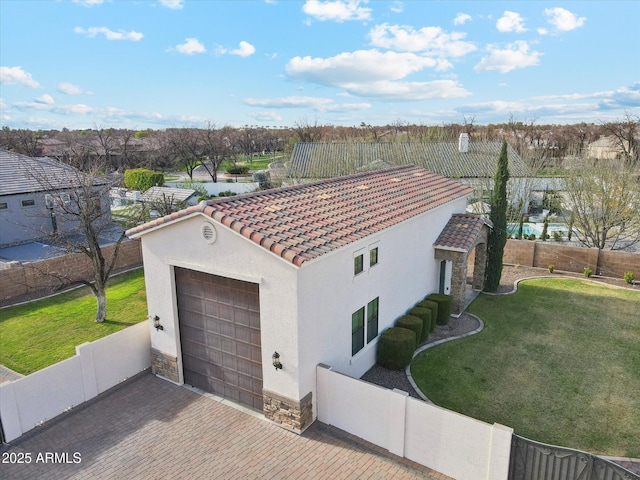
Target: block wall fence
{"points": [[607, 263], [19, 279]]}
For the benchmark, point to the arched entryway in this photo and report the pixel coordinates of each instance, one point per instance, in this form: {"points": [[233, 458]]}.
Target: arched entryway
{"points": [[463, 234]]}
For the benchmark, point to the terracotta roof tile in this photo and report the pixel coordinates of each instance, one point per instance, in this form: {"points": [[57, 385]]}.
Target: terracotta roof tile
{"points": [[302, 222], [461, 232]]}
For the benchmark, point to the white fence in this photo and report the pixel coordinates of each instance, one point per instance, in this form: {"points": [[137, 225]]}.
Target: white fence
{"points": [[448, 442], [96, 367]]}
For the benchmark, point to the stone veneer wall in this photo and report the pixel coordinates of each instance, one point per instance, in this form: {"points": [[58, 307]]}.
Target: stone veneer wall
{"points": [[295, 415], [164, 365]]}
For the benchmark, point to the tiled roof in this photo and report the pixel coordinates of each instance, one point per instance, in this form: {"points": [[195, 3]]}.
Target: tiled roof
{"points": [[302, 222], [23, 174], [461, 232], [325, 160]]}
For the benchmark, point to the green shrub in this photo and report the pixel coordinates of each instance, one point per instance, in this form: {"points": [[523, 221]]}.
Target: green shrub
{"points": [[395, 348], [142, 179], [629, 277], [226, 193], [433, 306], [444, 307], [557, 236], [425, 316], [587, 272], [413, 323], [237, 170], [551, 268]]}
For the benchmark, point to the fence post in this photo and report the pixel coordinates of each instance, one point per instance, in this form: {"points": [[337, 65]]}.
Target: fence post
{"points": [[397, 420], [88, 370], [323, 393], [9, 412], [499, 452]]}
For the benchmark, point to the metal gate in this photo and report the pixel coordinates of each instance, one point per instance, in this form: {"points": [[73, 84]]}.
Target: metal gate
{"points": [[537, 461]]}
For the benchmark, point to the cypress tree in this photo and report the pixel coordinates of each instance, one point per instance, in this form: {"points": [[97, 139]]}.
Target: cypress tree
{"points": [[498, 236]]}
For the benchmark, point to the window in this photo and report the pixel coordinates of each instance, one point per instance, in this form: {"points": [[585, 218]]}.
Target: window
{"points": [[3, 206], [372, 319], [28, 203], [357, 331], [358, 264], [358, 326], [373, 256]]}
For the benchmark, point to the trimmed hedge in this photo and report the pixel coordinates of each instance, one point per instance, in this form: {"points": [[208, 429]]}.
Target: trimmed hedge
{"points": [[433, 306], [425, 316], [413, 323], [238, 170], [142, 179], [396, 347], [444, 307]]}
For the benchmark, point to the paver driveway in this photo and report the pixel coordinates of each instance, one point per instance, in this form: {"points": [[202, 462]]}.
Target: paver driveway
{"points": [[148, 428]]}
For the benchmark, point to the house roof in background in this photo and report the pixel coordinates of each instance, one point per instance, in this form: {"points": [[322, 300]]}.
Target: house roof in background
{"points": [[302, 222], [461, 232], [23, 174], [159, 194], [324, 160]]}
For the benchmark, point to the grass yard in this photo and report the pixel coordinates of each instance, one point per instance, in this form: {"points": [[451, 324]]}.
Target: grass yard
{"points": [[41, 333], [558, 361]]}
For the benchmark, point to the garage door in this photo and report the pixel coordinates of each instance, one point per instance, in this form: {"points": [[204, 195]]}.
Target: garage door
{"points": [[220, 335]]}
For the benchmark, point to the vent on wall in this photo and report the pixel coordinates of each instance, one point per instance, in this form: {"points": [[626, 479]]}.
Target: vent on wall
{"points": [[208, 233]]}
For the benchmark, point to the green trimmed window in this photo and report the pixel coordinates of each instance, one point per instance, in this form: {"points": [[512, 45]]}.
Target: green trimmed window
{"points": [[372, 319], [373, 256], [358, 264], [357, 331]]}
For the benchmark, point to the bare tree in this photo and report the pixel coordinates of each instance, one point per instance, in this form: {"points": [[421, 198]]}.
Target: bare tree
{"points": [[80, 201], [627, 137], [186, 147], [603, 198], [216, 147]]}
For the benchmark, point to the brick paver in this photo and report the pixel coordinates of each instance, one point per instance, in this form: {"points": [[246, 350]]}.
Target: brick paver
{"points": [[148, 428]]}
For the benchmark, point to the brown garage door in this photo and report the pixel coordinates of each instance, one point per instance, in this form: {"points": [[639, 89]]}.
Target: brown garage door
{"points": [[220, 335]]}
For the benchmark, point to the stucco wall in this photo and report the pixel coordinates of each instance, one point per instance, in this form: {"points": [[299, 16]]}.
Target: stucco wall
{"points": [[233, 256], [329, 293]]}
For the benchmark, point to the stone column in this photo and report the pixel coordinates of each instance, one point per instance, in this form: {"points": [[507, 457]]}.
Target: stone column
{"points": [[479, 266], [294, 415], [164, 365]]}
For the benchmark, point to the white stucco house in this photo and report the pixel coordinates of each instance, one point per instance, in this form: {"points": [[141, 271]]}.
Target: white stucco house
{"points": [[313, 272]]}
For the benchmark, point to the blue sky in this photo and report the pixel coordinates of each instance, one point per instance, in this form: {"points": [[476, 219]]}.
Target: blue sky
{"points": [[163, 63]]}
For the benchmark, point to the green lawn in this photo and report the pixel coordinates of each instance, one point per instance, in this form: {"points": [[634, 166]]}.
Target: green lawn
{"points": [[558, 361], [41, 333]]}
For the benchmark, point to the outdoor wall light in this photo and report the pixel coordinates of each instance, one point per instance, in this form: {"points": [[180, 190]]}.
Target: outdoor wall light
{"points": [[276, 360], [156, 323]]}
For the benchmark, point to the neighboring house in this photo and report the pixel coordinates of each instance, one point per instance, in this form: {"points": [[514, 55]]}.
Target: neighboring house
{"points": [[167, 199], [466, 161], [301, 275], [607, 148], [32, 194]]}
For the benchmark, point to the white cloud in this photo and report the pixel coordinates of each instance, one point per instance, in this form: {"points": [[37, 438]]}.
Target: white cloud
{"points": [[191, 46], [397, 7], [543, 31], [405, 91], [358, 66], [337, 10], [172, 4], [461, 19], [429, 40], [17, 76], [563, 20], [511, 22], [515, 55], [45, 99], [313, 103], [244, 50], [109, 34], [71, 89], [88, 3], [268, 116]]}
